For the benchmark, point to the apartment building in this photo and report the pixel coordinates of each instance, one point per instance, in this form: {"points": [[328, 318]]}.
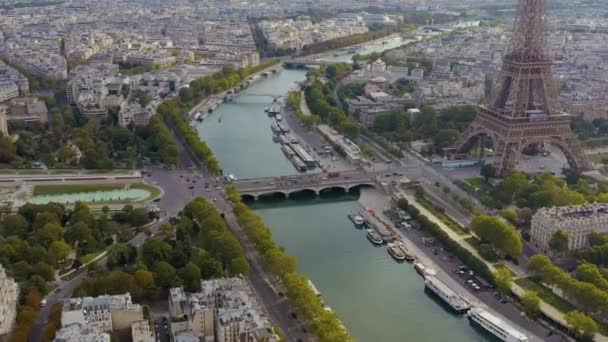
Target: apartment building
{"points": [[225, 310], [578, 221], [9, 296]]}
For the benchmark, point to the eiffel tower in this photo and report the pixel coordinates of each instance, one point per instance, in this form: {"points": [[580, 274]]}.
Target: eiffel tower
{"points": [[523, 107]]}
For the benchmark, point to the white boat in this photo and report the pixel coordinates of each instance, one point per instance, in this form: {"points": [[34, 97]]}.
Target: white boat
{"points": [[495, 326], [395, 251], [409, 256], [373, 236], [231, 177], [445, 293], [423, 270], [357, 219]]}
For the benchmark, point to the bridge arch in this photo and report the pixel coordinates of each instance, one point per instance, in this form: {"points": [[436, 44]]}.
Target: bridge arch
{"points": [[248, 197], [334, 188], [302, 192], [277, 194], [357, 187]]}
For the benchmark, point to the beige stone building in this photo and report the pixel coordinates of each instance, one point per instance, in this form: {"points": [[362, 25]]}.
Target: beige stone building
{"points": [[9, 295], [578, 221]]}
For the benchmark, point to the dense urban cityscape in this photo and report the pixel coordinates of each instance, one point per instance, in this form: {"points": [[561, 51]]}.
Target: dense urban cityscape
{"points": [[233, 171]]}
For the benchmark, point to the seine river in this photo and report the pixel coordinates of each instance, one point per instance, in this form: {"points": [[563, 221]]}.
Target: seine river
{"points": [[377, 299]]}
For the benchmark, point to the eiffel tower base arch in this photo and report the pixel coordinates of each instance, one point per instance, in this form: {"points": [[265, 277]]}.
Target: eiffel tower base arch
{"points": [[512, 136]]}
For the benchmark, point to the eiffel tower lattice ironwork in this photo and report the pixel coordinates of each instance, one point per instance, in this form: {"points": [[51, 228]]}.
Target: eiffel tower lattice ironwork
{"points": [[523, 107]]}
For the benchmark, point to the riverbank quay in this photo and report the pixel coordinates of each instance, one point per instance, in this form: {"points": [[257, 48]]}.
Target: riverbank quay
{"points": [[174, 111], [214, 100], [325, 323], [445, 268], [550, 314]]}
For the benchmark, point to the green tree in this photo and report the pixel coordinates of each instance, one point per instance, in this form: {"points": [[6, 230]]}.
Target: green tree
{"points": [[44, 270], [510, 215], [559, 241], [350, 129], [79, 233], [121, 254], [167, 230], [487, 171], [590, 273], [583, 326], [530, 304], [145, 279], [155, 249], [239, 265], [139, 217], [368, 152], [191, 276], [14, 224], [503, 237], [166, 276], [60, 250], [49, 233], [426, 122], [503, 280], [445, 138], [8, 150]]}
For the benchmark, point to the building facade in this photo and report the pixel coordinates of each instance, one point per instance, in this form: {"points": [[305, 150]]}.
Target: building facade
{"points": [[578, 221], [9, 295], [225, 310], [3, 119]]}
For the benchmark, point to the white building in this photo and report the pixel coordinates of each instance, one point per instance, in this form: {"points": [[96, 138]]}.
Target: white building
{"points": [[3, 120], [8, 90], [104, 313], [225, 310], [578, 221], [141, 331], [77, 332], [9, 295]]}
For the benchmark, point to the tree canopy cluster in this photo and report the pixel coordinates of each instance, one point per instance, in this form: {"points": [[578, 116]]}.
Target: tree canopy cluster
{"points": [[198, 247], [41, 238], [587, 291], [38, 240], [322, 102], [326, 324], [504, 238], [103, 144], [597, 252], [340, 42], [544, 190], [294, 98]]}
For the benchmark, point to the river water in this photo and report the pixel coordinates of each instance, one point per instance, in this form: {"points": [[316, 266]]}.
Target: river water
{"points": [[377, 299]]}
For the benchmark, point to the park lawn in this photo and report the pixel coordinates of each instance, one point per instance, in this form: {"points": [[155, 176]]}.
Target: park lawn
{"points": [[598, 157], [480, 184], [88, 257], [41, 190], [545, 294], [441, 215], [501, 266], [479, 189]]}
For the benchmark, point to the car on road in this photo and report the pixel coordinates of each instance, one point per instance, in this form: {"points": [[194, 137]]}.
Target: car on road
{"points": [[156, 199], [191, 187]]}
